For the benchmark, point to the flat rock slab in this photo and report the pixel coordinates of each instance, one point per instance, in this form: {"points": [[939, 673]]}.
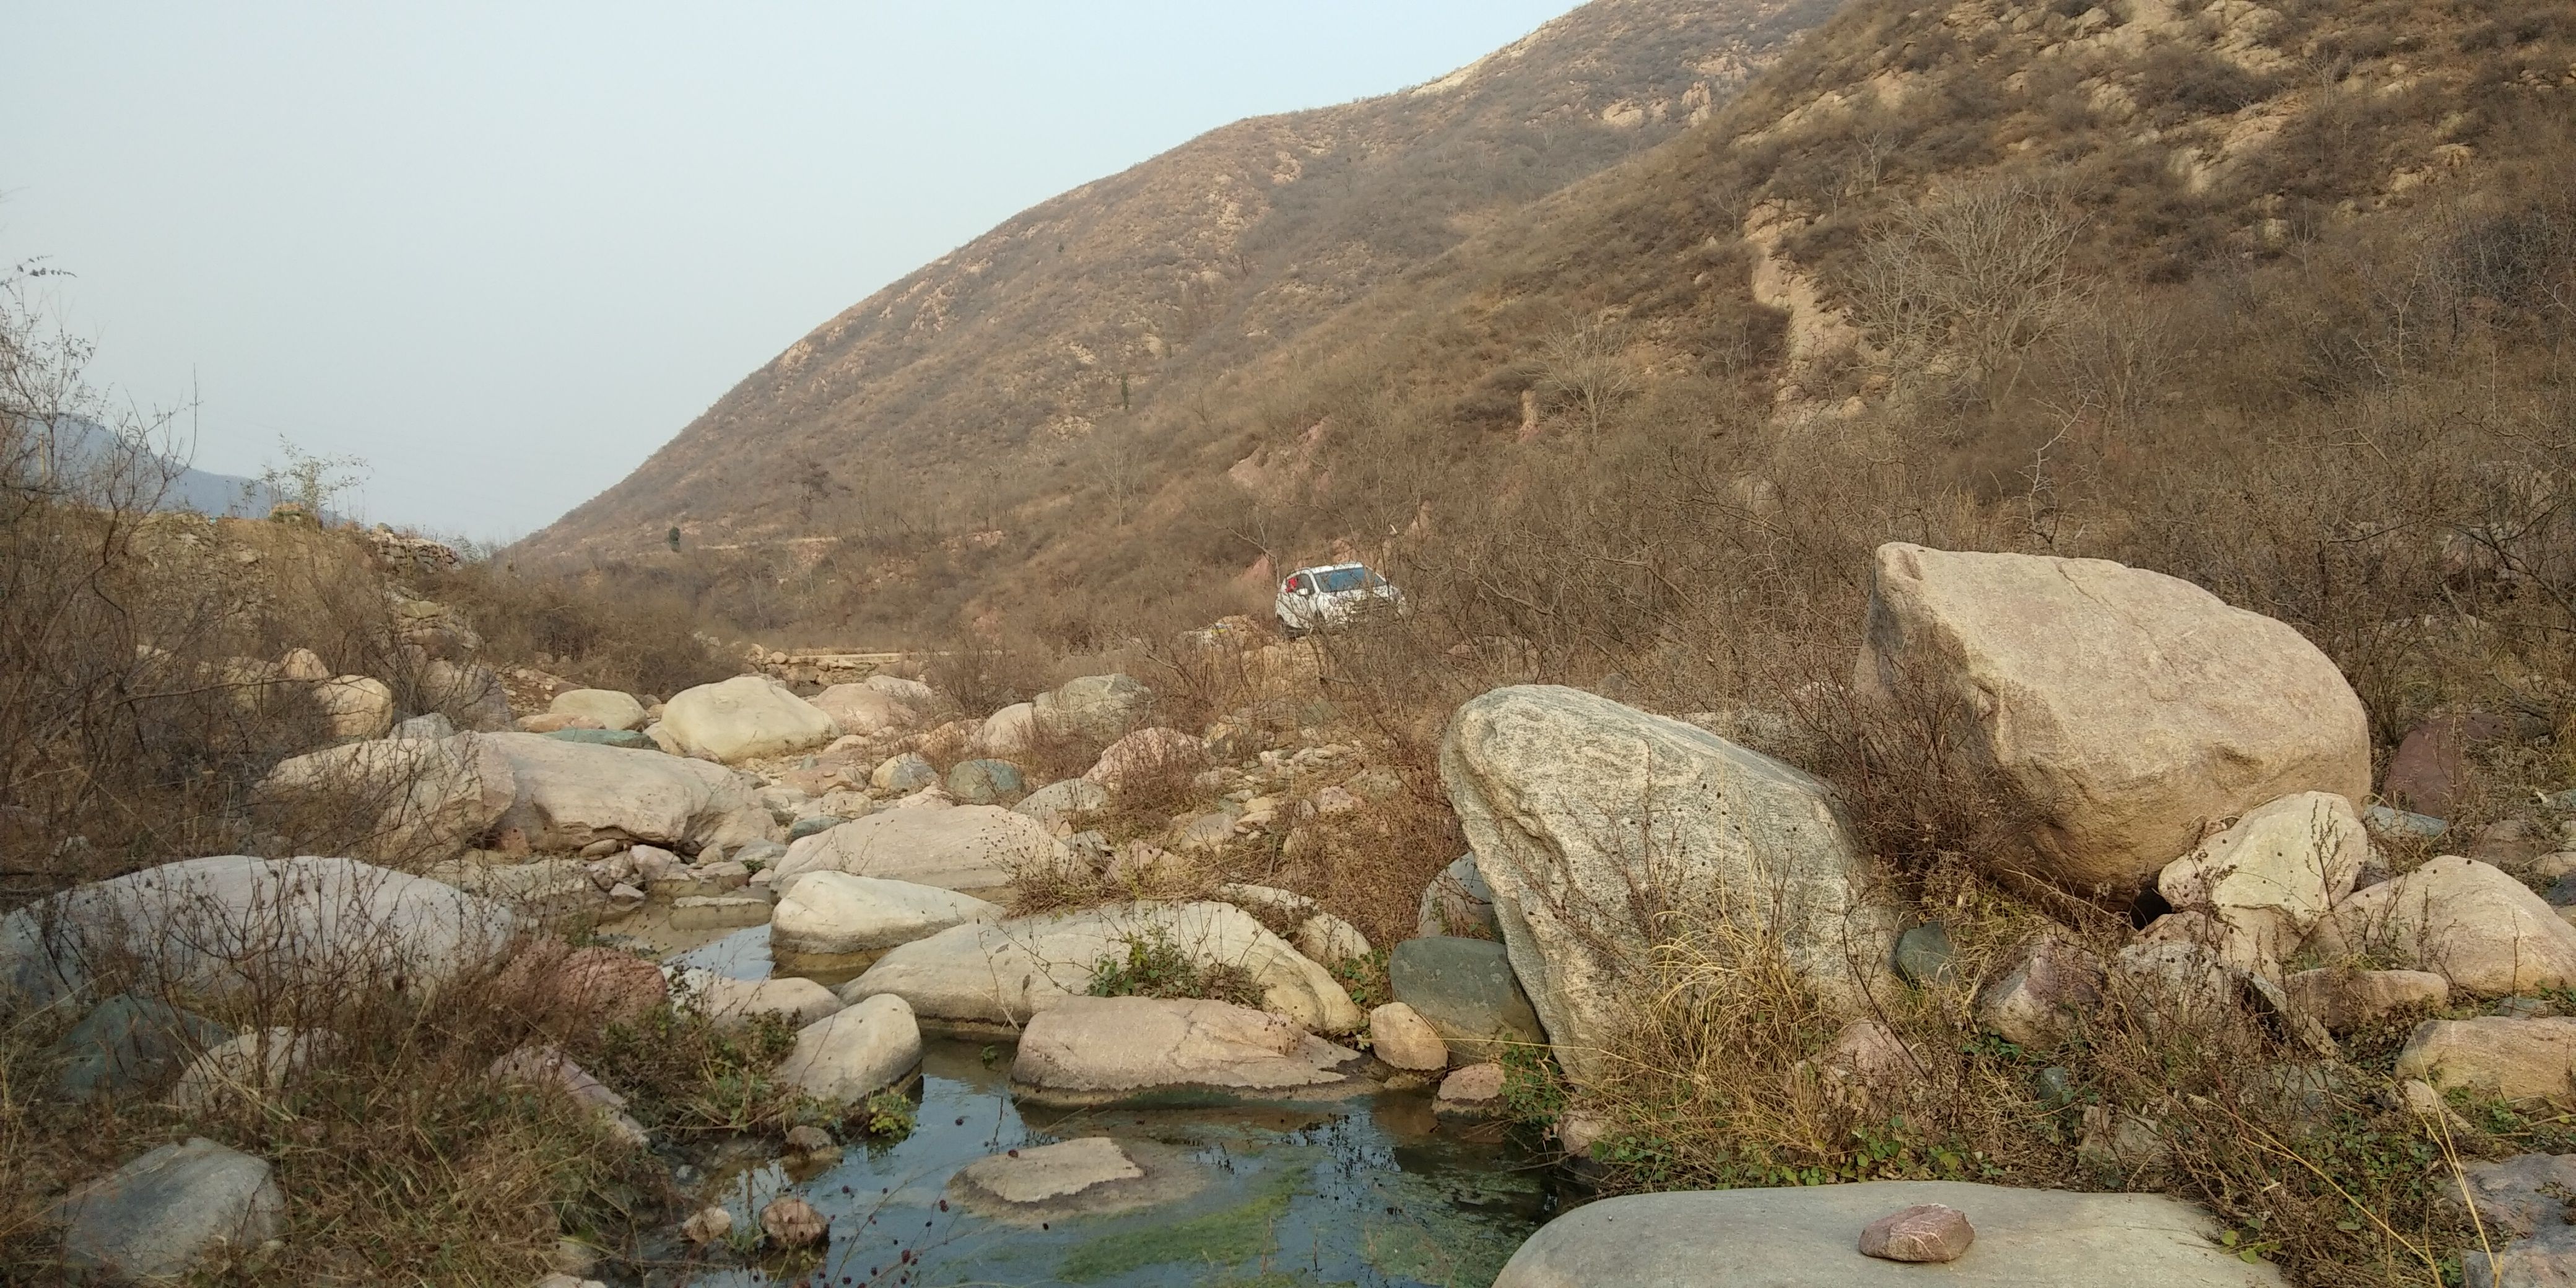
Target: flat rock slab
{"points": [[968, 848], [1087, 1176], [835, 914], [569, 794], [1808, 1238], [155, 1217], [990, 978], [1145, 1050]]}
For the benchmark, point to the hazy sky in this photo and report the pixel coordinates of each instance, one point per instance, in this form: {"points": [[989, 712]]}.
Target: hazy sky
{"points": [[505, 251]]}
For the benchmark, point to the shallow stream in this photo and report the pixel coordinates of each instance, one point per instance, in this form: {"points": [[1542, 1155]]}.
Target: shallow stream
{"points": [[1366, 1191]]}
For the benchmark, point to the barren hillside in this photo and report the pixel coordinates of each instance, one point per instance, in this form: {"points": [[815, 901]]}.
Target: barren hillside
{"points": [[1132, 291]]}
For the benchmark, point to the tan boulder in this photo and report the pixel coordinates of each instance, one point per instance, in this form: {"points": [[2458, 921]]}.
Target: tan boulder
{"points": [[412, 800], [1104, 1050], [1148, 755], [746, 717], [2266, 880], [1401, 1037], [2344, 999], [606, 708], [2131, 707], [2485, 932], [355, 706], [2511, 1059]]}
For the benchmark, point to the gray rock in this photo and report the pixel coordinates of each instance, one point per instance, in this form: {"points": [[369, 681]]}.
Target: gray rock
{"points": [[630, 739], [985, 782], [156, 1217], [1458, 902], [1100, 707], [215, 925], [1088, 1176], [471, 693], [611, 710], [403, 801], [1807, 1238], [2546, 1260], [1600, 826], [812, 825], [848, 1056], [1466, 989], [2397, 822], [903, 774], [426, 728], [1923, 955], [1150, 1050], [980, 978], [131, 1044], [1065, 801], [570, 794]]}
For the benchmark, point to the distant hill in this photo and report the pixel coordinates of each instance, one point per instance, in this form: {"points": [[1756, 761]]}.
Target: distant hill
{"points": [[74, 447], [974, 384], [2063, 275]]}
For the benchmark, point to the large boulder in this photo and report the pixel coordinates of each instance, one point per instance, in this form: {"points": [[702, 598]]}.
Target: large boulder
{"points": [[229, 923], [1604, 830], [905, 773], [1064, 802], [607, 708], [571, 794], [472, 695], [912, 693], [154, 1219], [986, 782], [1466, 990], [850, 1055], [355, 706], [991, 978], [1809, 1236], [2485, 932], [734, 1003], [1129, 1050], [827, 913], [2129, 707], [865, 709], [1011, 731], [744, 718], [405, 800], [2266, 880], [968, 848], [1099, 707]]}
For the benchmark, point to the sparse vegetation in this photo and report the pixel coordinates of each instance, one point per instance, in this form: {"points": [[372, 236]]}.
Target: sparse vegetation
{"points": [[1153, 965]]}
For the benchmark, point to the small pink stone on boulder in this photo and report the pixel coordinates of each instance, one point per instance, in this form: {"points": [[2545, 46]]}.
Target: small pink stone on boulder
{"points": [[1925, 1232]]}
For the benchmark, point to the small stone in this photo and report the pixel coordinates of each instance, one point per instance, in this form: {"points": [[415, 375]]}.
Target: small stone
{"points": [[808, 1139], [1925, 1232], [791, 1222], [2056, 1086], [1923, 955], [1473, 1092], [709, 1225], [1401, 1037]]}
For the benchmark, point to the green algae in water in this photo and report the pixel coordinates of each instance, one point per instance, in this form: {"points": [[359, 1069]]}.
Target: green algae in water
{"points": [[1245, 1232]]}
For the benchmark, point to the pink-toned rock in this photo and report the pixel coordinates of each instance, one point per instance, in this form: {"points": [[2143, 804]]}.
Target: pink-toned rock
{"points": [[791, 1222], [1924, 1232], [1473, 1092], [2425, 774], [1401, 1037]]}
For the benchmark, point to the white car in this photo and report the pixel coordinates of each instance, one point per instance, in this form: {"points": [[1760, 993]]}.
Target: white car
{"points": [[1313, 599]]}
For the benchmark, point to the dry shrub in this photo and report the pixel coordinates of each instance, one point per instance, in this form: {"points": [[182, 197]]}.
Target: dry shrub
{"points": [[633, 638], [2310, 1162]]}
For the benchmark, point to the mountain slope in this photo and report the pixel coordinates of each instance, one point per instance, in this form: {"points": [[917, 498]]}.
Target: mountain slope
{"points": [[1134, 290]]}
